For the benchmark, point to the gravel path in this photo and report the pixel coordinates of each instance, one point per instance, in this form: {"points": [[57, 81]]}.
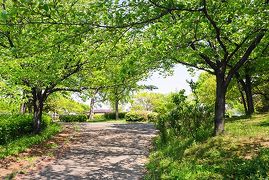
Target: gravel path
{"points": [[103, 151]]}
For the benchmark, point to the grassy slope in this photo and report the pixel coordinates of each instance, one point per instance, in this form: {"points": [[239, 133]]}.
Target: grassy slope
{"points": [[24, 142], [242, 153]]}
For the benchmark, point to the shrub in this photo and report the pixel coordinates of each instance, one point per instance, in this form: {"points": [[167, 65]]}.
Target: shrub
{"points": [[112, 115], [99, 117], [73, 118], [153, 117], [27, 141], [137, 116], [189, 119], [17, 125]]}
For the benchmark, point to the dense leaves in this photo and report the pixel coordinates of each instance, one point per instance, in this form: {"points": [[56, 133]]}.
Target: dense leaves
{"points": [[15, 126]]}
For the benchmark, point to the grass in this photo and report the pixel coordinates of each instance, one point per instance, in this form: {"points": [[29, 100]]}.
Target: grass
{"points": [[24, 142], [241, 153], [107, 120]]}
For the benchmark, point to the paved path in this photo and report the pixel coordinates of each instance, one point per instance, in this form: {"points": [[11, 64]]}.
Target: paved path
{"points": [[103, 151]]}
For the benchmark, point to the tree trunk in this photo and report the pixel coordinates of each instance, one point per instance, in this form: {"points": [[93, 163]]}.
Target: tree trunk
{"points": [[38, 103], [241, 88], [244, 101], [23, 108], [220, 104], [249, 97], [91, 108], [117, 109], [92, 103]]}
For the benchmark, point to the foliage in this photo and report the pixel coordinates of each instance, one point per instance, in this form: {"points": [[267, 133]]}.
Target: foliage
{"points": [[64, 104], [14, 126], [219, 37], [112, 115], [206, 93], [242, 153], [149, 101], [153, 117], [7, 105], [26, 141], [187, 118], [73, 118], [134, 116]]}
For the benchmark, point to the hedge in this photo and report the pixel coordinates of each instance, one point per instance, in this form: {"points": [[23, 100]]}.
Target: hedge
{"points": [[17, 125], [112, 115], [73, 118], [137, 116], [141, 116]]}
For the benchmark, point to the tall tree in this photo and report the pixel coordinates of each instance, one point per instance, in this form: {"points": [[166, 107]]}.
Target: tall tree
{"points": [[215, 36], [43, 55]]}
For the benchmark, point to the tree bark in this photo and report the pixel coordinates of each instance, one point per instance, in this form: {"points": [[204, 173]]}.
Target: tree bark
{"points": [[23, 108], [38, 103], [220, 104], [117, 109], [244, 101], [92, 103], [91, 108], [249, 97]]}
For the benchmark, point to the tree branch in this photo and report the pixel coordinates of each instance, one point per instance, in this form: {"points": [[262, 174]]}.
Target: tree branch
{"points": [[246, 55], [205, 58], [217, 29], [192, 65]]}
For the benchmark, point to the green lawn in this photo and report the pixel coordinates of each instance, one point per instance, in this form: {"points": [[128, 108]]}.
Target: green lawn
{"points": [[106, 120], [242, 153]]}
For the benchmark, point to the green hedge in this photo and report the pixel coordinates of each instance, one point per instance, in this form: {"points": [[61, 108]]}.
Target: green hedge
{"points": [[73, 118], [137, 116], [17, 125], [112, 115]]}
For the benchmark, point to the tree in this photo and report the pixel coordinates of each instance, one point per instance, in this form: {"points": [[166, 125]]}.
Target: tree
{"points": [[43, 57], [149, 101], [216, 36]]}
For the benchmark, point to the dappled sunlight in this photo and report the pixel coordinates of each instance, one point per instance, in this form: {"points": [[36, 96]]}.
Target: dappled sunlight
{"points": [[103, 151]]}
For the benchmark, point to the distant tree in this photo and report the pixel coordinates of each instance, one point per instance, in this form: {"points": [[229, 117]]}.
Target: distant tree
{"points": [[149, 101]]}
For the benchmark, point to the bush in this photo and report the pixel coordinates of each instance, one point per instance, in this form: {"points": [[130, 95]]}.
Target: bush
{"points": [[153, 117], [27, 141], [137, 116], [14, 126], [99, 117], [73, 118], [188, 119], [112, 115]]}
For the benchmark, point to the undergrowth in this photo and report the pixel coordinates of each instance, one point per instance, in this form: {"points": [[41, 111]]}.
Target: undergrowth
{"points": [[241, 153]]}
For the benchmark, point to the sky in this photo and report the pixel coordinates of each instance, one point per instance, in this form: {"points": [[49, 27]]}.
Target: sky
{"points": [[173, 83]]}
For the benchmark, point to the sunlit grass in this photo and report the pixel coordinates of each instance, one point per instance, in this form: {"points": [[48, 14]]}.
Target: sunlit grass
{"points": [[107, 120], [241, 153]]}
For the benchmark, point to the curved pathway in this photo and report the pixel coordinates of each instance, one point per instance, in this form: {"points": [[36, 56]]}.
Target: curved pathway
{"points": [[102, 151]]}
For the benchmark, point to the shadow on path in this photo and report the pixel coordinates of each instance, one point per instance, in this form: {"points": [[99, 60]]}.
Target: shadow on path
{"points": [[103, 151]]}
